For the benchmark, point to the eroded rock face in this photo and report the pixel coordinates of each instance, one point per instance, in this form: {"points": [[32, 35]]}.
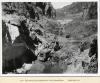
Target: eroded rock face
{"points": [[5, 34], [20, 51], [32, 44], [93, 48], [18, 45], [93, 53], [29, 9], [92, 13], [14, 32]]}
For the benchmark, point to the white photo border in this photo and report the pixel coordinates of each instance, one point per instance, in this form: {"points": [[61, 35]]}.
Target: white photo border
{"points": [[49, 75]]}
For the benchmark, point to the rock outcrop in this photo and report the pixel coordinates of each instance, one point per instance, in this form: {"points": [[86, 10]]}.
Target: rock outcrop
{"points": [[33, 40]]}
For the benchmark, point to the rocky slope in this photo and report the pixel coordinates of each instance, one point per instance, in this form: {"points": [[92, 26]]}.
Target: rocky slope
{"points": [[77, 8], [32, 41]]}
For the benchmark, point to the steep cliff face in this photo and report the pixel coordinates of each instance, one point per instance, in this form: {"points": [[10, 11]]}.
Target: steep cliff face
{"points": [[15, 13], [93, 11], [88, 9], [83, 16], [29, 9], [23, 27], [32, 40]]}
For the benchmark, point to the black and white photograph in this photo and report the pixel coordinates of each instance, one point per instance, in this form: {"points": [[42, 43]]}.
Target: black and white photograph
{"points": [[49, 38]]}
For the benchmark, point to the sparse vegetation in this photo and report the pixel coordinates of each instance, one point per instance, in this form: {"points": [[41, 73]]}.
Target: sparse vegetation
{"points": [[46, 45]]}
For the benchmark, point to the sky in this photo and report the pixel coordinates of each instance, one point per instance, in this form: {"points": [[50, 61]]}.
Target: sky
{"points": [[58, 5]]}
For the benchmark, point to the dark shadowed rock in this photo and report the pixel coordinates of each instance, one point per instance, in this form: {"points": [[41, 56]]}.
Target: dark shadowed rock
{"points": [[14, 56]]}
